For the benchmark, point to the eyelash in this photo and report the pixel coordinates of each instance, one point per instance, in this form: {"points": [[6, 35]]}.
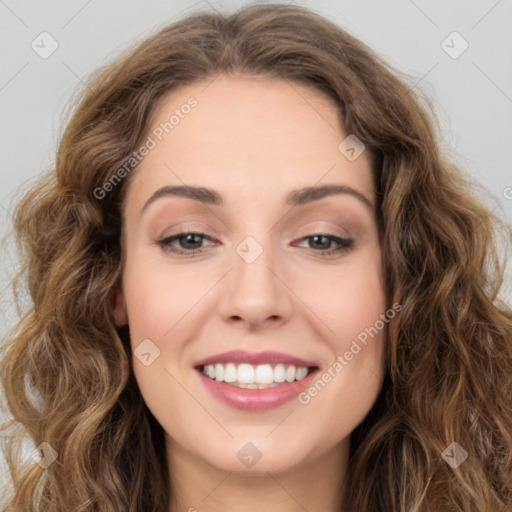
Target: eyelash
{"points": [[346, 244]]}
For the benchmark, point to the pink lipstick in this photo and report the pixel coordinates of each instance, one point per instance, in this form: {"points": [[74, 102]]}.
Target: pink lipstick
{"points": [[255, 381]]}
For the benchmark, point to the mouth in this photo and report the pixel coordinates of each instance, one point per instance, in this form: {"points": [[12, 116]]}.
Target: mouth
{"points": [[255, 381]]}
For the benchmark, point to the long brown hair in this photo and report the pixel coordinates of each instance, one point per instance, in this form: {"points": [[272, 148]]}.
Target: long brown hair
{"points": [[449, 356]]}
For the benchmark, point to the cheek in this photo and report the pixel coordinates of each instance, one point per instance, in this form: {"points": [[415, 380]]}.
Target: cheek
{"points": [[351, 302], [360, 302], [349, 382], [159, 303], [348, 299], [157, 298]]}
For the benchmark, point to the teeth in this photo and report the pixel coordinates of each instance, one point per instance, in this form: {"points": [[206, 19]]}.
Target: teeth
{"points": [[301, 373], [219, 372], [254, 377], [230, 373], [246, 374], [279, 373], [264, 374]]}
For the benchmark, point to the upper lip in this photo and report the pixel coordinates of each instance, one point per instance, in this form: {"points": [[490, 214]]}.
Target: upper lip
{"points": [[254, 358]]}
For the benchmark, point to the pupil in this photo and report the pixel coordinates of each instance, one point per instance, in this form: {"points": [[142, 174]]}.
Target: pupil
{"points": [[316, 238], [190, 239]]}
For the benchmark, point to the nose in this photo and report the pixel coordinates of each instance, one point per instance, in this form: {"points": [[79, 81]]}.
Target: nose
{"points": [[255, 293]]}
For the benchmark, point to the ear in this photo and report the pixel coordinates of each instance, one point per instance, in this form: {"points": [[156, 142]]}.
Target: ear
{"points": [[118, 307]]}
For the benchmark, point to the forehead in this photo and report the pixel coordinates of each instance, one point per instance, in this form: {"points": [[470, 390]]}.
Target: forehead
{"points": [[247, 136]]}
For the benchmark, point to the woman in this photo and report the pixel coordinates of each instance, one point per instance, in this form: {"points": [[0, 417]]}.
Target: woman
{"points": [[257, 284]]}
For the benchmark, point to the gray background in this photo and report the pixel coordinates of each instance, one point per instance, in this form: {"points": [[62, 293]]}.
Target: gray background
{"points": [[472, 93]]}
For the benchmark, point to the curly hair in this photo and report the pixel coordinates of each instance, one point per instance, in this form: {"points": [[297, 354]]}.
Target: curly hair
{"points": [[449, 352]]}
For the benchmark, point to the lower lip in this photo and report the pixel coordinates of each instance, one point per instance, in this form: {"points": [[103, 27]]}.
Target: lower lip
{"points": [[256, 399]]}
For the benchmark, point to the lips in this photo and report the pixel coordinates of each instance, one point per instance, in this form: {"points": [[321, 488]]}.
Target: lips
{"points": [[255, 358], [255, 381]]}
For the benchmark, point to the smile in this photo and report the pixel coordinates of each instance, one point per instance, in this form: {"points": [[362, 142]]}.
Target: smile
{"points": [[253, 381]]}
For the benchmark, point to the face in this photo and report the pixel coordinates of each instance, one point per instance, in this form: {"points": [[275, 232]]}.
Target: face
{"points": [[258, 280]]}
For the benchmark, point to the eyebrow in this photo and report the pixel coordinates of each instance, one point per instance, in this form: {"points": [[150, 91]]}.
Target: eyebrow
{"points": [[294, 198]]}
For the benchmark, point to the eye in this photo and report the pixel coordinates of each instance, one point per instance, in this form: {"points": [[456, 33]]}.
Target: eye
{"points": [[190, 242], [323, 242]]}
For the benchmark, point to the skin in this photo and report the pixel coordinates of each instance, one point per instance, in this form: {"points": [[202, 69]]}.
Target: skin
{"points": [[253, 139]]}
